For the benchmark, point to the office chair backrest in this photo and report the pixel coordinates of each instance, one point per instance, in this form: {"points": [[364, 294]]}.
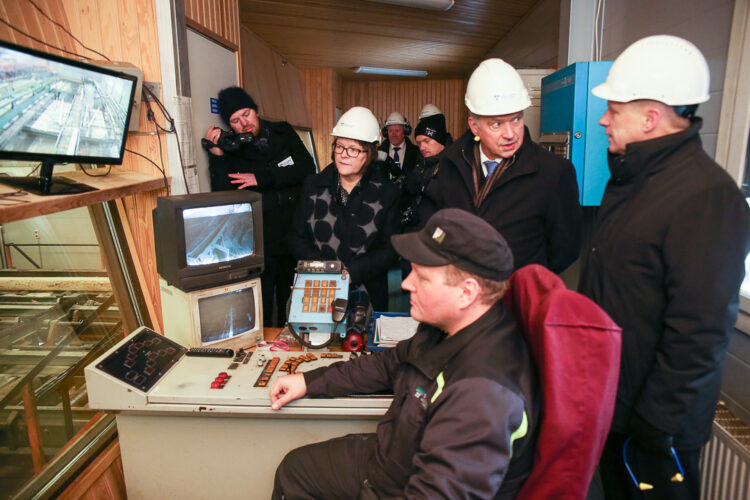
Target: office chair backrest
{"points": [[576, 348]]}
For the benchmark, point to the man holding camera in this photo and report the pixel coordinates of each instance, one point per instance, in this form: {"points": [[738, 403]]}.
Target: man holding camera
{"points": [[270, 158]]}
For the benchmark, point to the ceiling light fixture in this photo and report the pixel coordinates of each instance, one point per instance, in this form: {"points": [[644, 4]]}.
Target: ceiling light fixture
{"points": [[421, 4], [390, 71]]}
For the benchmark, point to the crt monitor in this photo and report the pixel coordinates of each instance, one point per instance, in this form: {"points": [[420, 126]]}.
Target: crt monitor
{"points": [[58, 110], [208, 239], [222, 316]]}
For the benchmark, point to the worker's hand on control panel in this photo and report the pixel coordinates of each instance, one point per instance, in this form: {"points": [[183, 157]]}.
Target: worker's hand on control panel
{"points": [[287, 389]]}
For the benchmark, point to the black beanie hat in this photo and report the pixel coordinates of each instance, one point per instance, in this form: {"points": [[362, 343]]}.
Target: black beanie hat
{"points": [[433, 127], [232, 99]]}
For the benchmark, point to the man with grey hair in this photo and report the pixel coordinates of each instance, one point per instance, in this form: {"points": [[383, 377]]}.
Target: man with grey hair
{"points": [[496, 172]]}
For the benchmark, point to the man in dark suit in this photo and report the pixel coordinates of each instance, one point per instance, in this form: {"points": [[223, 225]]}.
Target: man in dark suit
{"points": [[398, 151]]}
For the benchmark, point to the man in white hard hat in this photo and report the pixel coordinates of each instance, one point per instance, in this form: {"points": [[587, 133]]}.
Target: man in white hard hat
{"points": [[495, 171], [402, 153], [665, 260]]}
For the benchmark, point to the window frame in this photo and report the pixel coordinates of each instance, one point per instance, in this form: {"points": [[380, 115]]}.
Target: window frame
{"points": [[734, 122]]}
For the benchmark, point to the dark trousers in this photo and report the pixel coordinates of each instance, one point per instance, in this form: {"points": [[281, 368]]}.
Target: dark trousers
{"points": [[648, 467], [276, 282], [333, 469]]}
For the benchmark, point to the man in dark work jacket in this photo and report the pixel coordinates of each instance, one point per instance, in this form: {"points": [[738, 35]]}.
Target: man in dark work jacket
{"points": [[274, 164], [463, 420], [665, 261], [496, 172]]}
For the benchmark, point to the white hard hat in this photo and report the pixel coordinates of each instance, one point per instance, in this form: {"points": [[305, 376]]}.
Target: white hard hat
{"points": [[396, 118], [496, 88], [429, 110], [662, 68], [358, 123]]}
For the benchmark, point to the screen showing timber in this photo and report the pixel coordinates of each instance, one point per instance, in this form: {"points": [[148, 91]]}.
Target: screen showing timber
{"points": [[51, 108], [218, 234]]}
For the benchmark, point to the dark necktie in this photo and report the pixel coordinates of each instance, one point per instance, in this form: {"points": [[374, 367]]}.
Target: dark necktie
{"points": [[395, 155]]}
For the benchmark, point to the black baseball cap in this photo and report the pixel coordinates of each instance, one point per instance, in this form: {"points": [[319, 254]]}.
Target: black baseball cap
{"points": [[457, 237]]}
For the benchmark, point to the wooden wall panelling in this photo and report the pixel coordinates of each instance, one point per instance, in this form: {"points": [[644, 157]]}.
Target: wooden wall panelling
{"points": [[321, 97], [259, 76], [292, 92], [248, 79], [122, 30], [103, 478], [217, 19], [409, 97]]}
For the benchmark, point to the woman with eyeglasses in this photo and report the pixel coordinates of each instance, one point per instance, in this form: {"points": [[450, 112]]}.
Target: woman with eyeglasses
{"points": [[349, 210]]}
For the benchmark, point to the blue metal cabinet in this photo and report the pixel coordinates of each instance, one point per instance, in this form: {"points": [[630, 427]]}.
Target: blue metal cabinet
{"points": [[569, 124]]}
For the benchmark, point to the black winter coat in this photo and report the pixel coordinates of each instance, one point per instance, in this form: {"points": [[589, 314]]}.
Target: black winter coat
{"points": [[410, 157], [534, 204], [464, 416], [363, 227], [280, 162], [665, 261]]}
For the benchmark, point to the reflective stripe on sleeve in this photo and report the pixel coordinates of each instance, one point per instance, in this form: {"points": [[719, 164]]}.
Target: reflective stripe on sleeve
{"points": [[440, 384]]}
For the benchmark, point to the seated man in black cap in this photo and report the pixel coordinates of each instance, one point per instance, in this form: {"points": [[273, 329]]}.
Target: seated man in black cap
{"points": [[464, 416], [274, 163]]}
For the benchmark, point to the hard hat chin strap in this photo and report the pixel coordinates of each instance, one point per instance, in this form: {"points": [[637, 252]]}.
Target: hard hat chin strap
{"points": [[686, 111]]}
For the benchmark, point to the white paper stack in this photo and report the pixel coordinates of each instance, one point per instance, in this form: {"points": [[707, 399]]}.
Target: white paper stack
{"points": [[390, 330]]}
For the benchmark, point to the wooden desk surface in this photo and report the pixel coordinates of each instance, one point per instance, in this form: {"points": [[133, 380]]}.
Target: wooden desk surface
{"points": [[270, 333], [117, 184]]}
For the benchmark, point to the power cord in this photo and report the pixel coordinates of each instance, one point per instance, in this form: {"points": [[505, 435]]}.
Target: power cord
{"points": [[166, 182], [41, 41], [171, 130], [105, 174], [66, 31]]}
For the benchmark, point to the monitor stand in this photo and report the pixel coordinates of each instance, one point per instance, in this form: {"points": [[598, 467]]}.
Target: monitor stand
{"points": [[46, 184]]}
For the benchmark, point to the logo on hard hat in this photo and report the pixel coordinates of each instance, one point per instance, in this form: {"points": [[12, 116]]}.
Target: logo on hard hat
{"points": [[500, 97]]}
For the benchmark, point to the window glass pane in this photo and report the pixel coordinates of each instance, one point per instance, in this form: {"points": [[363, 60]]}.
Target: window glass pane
{"points": [[745, 288], [57, 313], [307, 140]]}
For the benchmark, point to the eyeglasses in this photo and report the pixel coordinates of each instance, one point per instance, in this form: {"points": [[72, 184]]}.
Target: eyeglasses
{"points": [[352, 152], [245, 115]]}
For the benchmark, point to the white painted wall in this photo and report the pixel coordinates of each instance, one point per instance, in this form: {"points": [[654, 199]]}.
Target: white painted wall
{"points": [[212, 68], [706, 23], [532, 43]]}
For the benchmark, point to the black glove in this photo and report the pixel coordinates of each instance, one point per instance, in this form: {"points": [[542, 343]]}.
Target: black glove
{"points": [[649, 437]]}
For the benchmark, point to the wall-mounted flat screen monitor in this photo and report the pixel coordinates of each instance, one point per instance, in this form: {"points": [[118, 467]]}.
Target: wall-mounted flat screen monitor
{"points": [[59, 110]]}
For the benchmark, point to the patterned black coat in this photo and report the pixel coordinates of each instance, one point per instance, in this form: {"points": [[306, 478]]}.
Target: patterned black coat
{"points": [[358, 234]]}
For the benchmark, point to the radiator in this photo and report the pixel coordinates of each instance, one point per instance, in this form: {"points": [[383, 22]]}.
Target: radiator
{"points": [[725, 461]]}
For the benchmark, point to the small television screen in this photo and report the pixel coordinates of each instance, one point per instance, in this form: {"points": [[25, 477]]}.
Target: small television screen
{"points": [[218, 234], [59, 110], [225, 316], [208, 239]]}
